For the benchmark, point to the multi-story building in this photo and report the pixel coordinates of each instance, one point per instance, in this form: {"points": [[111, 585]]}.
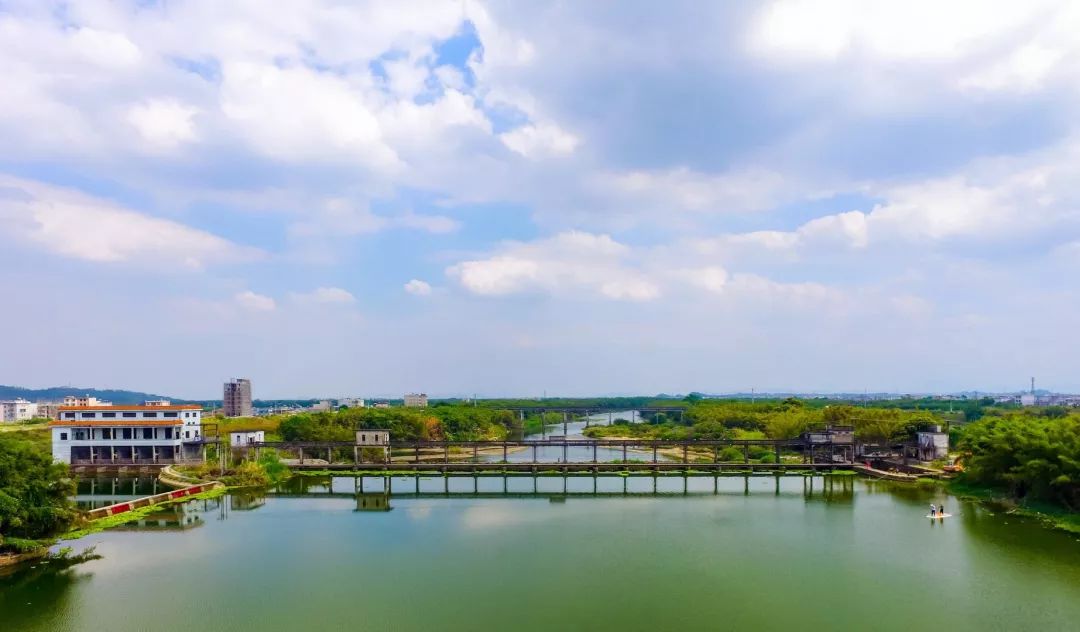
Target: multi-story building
{"points": [[416, 400], [237, 398], [48, 410], [84, 400], [351, 402], [135, 434], [17, 410]]}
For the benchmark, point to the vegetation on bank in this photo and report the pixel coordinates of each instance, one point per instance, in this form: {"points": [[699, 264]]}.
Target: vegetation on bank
{"points": [[443, 422], [35, 493], [1028, 456], [787, 419]]}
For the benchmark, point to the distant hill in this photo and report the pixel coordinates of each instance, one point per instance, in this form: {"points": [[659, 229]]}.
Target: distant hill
{"points": [[57, 393]]}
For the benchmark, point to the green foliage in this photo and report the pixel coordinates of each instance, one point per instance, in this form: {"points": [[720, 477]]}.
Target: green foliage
{"points": [[731, 453], [271, 464], [34, 492], [449, 422], [1034, 455], [247, 474]]}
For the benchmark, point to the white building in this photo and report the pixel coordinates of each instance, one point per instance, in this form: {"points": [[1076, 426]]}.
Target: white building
{"points": [[322, 405], [127, 434], [373, 438], [1027, 399], [84, 400], [241, 438], [416, 400], [933, 444], [351, 402], [18, 409]]}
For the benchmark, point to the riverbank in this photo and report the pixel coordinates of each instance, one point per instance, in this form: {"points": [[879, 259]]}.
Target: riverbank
{"points": [[1052, 516]]}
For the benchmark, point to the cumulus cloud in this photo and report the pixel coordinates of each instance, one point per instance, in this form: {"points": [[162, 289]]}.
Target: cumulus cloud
{"points": [[72, 224], [326, 295], [163, 124], [416, 287], [539, 141], [569, 263], [255, 302]]}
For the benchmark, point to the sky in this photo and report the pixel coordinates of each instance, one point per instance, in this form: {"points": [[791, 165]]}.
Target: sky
{"points": [[511, 198]]}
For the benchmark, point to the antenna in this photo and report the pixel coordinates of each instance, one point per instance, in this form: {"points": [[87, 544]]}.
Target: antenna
{"points": [[1032, 386]]}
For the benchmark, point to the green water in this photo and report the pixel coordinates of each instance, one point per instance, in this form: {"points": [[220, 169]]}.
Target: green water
{"points": [[717, 554]]}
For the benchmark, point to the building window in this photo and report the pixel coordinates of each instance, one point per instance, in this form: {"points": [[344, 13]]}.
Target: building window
{"points": [[106, 433], [127, 433], [63, 436], [108, 415], [80, 435], [168, 433], [187, 434], [149, 414], [89, 415], [69, 415], [147, 433], [170, 414], [130, 415]]}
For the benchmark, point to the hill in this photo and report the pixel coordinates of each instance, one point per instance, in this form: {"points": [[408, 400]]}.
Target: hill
{"points": [[57, 393]]}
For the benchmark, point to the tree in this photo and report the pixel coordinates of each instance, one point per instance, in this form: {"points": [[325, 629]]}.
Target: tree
{"points": [[1031, 455], [35, 493]]}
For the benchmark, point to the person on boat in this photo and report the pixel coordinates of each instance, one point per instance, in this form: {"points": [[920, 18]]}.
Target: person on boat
{"points": [[933, 510], [941, 511]]}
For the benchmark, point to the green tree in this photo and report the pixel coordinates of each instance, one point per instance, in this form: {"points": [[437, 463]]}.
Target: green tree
{"points": [[35, 493]]}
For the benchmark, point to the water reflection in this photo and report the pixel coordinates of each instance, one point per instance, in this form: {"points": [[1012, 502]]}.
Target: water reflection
{"points": [[38, 594]]}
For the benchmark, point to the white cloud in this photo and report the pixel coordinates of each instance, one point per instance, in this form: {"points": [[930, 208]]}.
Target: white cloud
{"points": [[255, 302], [165, 123], [913, 29], [326, 295], [569, 263], [540, 140], [682, 189], [429, 223], [343, 217], [416, 287], [79, 226], [295, 114]]}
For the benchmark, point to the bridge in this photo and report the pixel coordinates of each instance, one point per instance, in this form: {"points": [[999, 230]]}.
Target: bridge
{"points": [[554, 488], [587, 412], [563, 455]]}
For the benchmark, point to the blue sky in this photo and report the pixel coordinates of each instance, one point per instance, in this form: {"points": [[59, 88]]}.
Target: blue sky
{"points": [[508, 198]]}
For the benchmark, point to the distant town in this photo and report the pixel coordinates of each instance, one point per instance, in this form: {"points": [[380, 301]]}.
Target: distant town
{"points": [[237, 400]]}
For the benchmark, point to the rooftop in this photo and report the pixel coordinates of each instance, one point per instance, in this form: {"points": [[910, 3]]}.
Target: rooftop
{"points": [[133, 407], [108, 423]]}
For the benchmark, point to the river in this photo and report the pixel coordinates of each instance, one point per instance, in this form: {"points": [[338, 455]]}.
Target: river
{"points": [[700, 553]]}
